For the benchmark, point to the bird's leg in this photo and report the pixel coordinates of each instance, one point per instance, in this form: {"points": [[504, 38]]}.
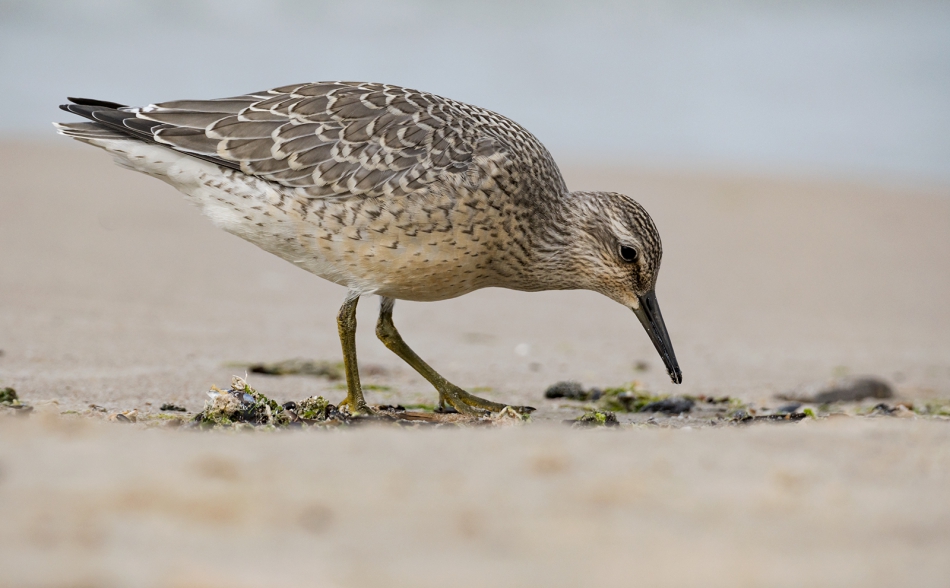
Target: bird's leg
{"points": [[346, 322], [449, 393]]}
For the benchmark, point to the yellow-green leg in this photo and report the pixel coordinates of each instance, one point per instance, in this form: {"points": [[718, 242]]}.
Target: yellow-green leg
{"points": [[346, 323], [449, 393]]}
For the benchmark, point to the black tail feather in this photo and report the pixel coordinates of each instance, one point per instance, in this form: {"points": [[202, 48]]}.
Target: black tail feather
{"points": [[94, 102], [109, 115]]}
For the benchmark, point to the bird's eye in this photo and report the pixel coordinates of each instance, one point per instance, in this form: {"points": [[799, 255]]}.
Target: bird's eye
{"points": [[628, 254]]}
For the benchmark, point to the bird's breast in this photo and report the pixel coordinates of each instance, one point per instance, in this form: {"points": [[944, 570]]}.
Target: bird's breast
{"points": [[422, 246]]}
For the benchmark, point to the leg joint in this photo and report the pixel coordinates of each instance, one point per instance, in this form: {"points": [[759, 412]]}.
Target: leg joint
{"points": [[386, 331]]}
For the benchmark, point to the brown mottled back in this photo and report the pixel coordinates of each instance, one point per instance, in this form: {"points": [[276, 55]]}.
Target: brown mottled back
{"points": [[346, 138]]}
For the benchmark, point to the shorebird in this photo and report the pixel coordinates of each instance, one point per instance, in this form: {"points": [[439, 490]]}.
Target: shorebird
{"points": [[393, 192]]}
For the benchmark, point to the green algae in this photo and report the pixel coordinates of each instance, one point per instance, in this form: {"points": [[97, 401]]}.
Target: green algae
{"points": [[8, 396], [420, 406], [241, 404], [10, 400], [937, 407], [596, 418], [313, 408], [631, 397]]}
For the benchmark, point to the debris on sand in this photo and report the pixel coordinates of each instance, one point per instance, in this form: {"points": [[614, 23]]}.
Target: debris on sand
{"points": [[10, 400], [848, 389], [634, 398], [241, 406], [172, 408], [936, 407], [628, 398], [128, 416], [331, 370], [571, 390], [567, 389], [314, 408], [788, 417], [8, 396], [671, 405], [595, 418]]}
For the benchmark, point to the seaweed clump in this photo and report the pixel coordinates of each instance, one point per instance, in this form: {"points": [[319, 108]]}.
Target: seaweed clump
{"points": [[240, 404], [331, 370], [634, 398], [8, 396], [313, 408], [595, 418], [9, 399]]}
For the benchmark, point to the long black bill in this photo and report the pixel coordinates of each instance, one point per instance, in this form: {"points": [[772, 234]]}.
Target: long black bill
{"points": [[652, 321]]}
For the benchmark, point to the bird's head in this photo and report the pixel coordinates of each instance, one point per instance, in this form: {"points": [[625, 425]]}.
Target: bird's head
{"points": [[616, 250]]}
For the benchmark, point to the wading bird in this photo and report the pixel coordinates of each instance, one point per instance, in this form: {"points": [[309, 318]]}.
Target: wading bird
{"points": [[393, 192]]}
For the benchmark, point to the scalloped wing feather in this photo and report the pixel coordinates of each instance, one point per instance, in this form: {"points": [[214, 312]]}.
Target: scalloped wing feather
{"points": [[330, 138]]}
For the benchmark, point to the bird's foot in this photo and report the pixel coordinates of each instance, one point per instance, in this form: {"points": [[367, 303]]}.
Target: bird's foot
{"points": [[357, 408], [453, 397]]}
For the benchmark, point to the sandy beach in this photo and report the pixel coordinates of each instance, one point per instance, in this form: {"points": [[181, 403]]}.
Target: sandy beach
{"points": [[116, 293]]}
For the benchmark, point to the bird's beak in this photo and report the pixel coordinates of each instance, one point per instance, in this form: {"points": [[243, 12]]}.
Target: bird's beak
{"points": [[649, 314]]}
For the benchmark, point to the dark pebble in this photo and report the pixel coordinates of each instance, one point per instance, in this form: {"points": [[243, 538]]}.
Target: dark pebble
{"points": [[883, 409], [568, 389], [789, 417], [172, 408], [675, 405], [790, 407], [852, 389], [741, 416]]}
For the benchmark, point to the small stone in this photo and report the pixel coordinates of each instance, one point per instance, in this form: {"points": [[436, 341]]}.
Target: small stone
{"points": [[567, 389], [672, 405], [851, 389], [129, 416], [172, 408], [848, 389], [741, 416], [883, 409]]}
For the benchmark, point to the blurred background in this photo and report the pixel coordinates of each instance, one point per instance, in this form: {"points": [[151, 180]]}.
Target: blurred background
{"points": [[795, 156], [831, 87]]}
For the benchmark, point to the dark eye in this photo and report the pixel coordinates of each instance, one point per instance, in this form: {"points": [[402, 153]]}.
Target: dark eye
{"points": [[628, 254]]}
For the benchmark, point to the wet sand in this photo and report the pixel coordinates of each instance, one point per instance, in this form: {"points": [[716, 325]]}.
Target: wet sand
{"points": [[115, 292]]}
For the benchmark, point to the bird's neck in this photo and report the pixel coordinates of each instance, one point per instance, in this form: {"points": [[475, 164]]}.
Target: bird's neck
{"points": [[543, 258]]}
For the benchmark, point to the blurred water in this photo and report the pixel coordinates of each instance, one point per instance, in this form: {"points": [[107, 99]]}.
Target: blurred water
{"points": [[836, 87]]}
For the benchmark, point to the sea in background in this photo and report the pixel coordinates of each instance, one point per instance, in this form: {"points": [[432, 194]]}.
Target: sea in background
{"points": [[834, 88]]}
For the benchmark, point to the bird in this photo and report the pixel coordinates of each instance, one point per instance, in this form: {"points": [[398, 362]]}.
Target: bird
{"points": [[392, 192]]}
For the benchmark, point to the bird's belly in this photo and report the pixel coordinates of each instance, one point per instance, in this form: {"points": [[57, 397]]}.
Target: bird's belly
{"points": [[394, 251]]}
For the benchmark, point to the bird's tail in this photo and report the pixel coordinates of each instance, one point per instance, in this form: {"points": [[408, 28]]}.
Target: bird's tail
{"points": [[88, 131], [99, 111]]}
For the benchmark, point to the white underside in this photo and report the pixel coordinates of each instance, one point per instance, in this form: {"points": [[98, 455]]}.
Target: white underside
{"points": [[228, 199]]}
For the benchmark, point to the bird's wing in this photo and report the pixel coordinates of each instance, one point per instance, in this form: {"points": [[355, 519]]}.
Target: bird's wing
{"points": [[325, 138]]}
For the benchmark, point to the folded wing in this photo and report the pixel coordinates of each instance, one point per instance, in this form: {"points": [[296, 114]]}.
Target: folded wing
{"points": [[325, 139]]}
